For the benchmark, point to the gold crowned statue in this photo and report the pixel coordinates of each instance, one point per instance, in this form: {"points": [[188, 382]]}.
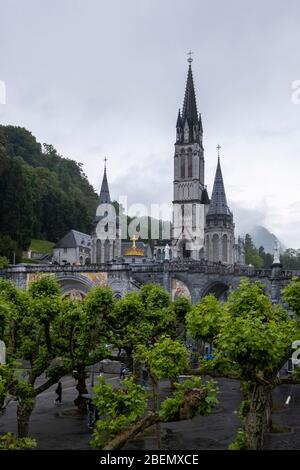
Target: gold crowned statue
{"points": [[133, 250]]}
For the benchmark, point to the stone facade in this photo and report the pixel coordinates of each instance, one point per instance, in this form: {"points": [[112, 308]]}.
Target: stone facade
{"points": [[74, 249]]}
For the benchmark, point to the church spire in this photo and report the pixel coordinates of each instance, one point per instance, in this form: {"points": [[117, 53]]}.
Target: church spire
{"points": [[189, 125], [218, 203], [104, 192], [189, 110]]}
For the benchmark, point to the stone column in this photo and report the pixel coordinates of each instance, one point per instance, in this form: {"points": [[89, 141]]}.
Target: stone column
{"points": [[166, 276], [276, 282]]}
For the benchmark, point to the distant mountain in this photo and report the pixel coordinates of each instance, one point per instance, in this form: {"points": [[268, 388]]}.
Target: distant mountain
{"points": [[261, 236]]}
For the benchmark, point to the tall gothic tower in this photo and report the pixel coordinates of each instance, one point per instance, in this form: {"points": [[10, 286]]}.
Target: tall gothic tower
{"points": [[190, 202], [219, 228]]}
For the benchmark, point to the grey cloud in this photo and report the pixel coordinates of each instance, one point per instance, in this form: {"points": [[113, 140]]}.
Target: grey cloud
{"points": [[98, 78]]}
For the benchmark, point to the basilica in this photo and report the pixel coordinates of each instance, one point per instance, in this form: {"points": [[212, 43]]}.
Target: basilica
{"points": [[202, 228]]}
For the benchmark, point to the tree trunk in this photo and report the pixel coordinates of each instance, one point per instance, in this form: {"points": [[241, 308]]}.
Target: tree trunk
{"points": [[255, 420], [268, 414], [24, 410], [154, 394], [121, 439], [81, 387], [128, 360]]}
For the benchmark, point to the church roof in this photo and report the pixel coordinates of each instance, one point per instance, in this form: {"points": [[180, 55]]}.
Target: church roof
{"points": [[73, 239], [104, 192], [189, 110], [218, 203]]}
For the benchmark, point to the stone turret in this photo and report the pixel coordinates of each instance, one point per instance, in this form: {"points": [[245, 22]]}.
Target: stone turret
{"points": [[219, 229]]}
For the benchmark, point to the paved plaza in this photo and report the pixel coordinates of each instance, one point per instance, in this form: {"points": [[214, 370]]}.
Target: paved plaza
{"points": [[54, 430]]}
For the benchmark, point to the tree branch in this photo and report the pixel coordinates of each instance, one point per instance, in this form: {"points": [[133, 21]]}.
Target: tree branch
{"points": [[123, 437]]}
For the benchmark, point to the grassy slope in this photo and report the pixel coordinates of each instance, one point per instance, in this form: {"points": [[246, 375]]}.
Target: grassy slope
{"points": [[41, 246]]}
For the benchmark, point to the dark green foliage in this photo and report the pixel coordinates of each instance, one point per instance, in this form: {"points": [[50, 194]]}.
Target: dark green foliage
{"points": [[267, 258], [291, 294], [119, 407], [10, 249], [9, 441], [251, 253], [194, 393], [290, 259], [182, 305], [42, 195], [240, 442], [3, 262]]}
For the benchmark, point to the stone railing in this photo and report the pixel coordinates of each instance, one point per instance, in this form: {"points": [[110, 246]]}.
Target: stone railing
{"points": [[54, 268], [153, 267]]}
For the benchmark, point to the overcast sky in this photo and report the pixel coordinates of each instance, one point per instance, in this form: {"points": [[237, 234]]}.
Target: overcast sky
{"points": [[102, 78]]}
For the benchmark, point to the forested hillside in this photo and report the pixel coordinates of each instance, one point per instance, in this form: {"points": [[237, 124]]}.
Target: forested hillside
{"points": [[42, 194]]}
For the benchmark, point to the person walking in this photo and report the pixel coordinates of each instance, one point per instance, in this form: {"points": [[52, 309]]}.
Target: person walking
{"points": [[91, 414], [58, 391], [122, 372]]}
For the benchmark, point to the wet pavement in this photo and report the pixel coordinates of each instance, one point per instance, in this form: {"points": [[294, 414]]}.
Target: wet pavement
{"points": [[53, 430]]}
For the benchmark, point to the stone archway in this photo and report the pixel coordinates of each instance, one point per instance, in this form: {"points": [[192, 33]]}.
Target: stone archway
{"points": [[179, 288], [218, 288], [74, 285]]}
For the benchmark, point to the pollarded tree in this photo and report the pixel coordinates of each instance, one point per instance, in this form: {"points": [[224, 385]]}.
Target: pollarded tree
{"points": [[167, 359], [256, 338], [192, 397], [31, 334], [141, 318], [205, 319], [129, 328], [85, 331], [181, 305], [119, 408], [158, 311], [291, 294]]}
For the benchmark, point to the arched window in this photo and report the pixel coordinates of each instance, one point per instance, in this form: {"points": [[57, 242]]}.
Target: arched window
{"points": [[225, 248], [182, 165], [207, 248], [194, 217], [98, 252], [215, 246], [190, 164], [106, 251]]}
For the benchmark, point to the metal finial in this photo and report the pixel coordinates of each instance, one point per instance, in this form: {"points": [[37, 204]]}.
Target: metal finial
{"points": [[190, 60], [219, 147], [105, 160]]}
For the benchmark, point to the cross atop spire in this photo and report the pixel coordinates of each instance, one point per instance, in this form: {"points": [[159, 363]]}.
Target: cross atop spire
{"points": [[219, 148], [190, 60], [105, 160]]}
